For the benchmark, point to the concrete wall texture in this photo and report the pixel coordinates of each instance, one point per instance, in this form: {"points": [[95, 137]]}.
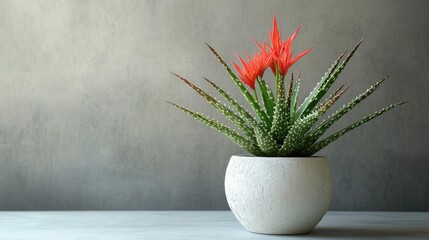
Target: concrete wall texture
{"points": [[84, 85]]}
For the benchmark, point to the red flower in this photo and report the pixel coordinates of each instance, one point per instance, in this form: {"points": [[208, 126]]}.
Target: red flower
{"points": [[279, 53], [282, 51], [254, 67]]}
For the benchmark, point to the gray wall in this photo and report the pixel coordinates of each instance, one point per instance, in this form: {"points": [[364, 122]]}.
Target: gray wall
{"points": [[83, 86]]}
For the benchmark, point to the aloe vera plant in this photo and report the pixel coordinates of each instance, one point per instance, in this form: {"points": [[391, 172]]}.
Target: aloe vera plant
{"points": [[280, 126]]}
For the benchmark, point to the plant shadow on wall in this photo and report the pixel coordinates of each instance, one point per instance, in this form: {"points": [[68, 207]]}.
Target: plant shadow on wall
{"points": [[282, 181]]}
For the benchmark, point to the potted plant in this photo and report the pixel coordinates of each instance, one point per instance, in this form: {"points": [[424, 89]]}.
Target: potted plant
{"points": [[281, 188]]}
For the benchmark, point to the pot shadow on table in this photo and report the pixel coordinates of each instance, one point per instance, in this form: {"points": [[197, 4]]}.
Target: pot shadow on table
{"points": [[338, 232]]}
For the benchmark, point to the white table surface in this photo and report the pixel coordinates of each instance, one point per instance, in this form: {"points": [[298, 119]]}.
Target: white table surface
{"points": [[207, 225]]}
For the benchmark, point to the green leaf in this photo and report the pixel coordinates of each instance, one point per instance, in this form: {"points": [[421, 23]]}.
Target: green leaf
{"points": [[228, 132], [295, 141], [266, 141], [294, 100], [267, 97], [326, 83], [326, 124], [289, 100], [250, 99], [224, 110], [316, 89], [242, 111], [335, 96], [280, 124], [323, 143]]}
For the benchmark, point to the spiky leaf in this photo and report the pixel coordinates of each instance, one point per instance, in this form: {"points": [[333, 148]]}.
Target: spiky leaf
{"points": [[267, 97], [279, 127], [326, 124], [294, 100], [250, 99], [326, 84], [228, 132], [242, 111], [266, 141], [224, 110], [289, 101], [323, 143], [316, 89], [295, 141]]}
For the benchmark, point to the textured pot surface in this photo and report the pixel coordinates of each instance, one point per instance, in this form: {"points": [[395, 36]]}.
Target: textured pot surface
{"points": [[278, 195]]}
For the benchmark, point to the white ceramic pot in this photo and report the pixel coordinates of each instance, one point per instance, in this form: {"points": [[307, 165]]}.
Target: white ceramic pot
{"points": [[274, 195]]}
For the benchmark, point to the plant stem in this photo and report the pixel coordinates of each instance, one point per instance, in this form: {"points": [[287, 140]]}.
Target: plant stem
{"points": [[255, 95], [278, 76]]}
